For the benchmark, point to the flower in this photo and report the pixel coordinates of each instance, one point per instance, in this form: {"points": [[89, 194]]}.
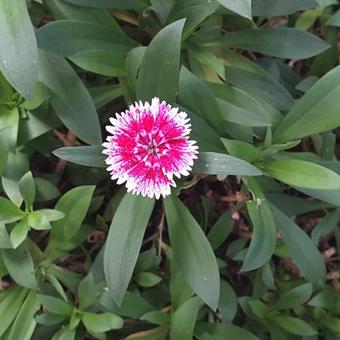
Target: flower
{"points": [[148, 146]]}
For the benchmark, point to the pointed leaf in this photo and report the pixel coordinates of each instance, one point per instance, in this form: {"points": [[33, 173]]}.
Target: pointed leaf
{"points": [[303, 174], [241, 7], [316, 111], [27, 188], [103, 322], [20, 266], [212, 163], [193, 252], [84, 155], [184, 318], [301, 249], [263, 240], [124, 242], [70, 98], [115, 4], [18, 52], [159, 72], [276, 42]]}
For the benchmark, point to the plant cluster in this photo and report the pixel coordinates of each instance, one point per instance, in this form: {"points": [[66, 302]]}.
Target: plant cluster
{"points": [[221, 119]]}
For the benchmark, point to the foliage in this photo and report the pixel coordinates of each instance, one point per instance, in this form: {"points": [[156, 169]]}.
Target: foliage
{"points": [[246, 247]]}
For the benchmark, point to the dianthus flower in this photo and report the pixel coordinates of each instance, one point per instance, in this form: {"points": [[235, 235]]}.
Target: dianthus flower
{"points": [[148, 146]]}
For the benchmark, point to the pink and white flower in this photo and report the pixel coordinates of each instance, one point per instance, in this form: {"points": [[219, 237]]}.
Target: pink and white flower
{"points": [[148, 146]]}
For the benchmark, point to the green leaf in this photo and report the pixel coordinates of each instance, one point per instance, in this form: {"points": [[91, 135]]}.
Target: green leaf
{"points": [[206, 137], [294, 325], [38, 221], [133, 305], [103, 322], [334, 20], [227, 304], [132, 65], [294, 205], [263, 240], [194, 12], [20, 266], [10, 306], [4, 146], [303, 174], [295, 297], [159, 72], [101, 62], [5, 242], [192, 252], [264, 88], [27, 189], [212, 163], [277, 42], [301, 249], [196, 96], [221, 230], [65, 333], [19, 233], [66, 10], [17, 165], [85, 292], [84, 155], [325, 226], [57, 285], [184, 318], [46, 191], [54, 305], [52, 214], [264, 236], [241, 7], [24, 324], [179, 289], [239, 107], [260, 309], [116, 4], [40, 96], [124, 242], [156, 317], [147, 260], [69, 38], [332, 323], [146, 279], [327, 299], [315, 112], [271, 8], [9, 212], [19, 53], [49, 319], [239, 149], [330, 196], [222, 331], [70, 98], [74, 204], [103, 95]]}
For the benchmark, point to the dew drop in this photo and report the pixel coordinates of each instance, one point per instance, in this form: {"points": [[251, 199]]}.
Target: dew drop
{"points": [[4, 61], [205, 278], [34, 61]]}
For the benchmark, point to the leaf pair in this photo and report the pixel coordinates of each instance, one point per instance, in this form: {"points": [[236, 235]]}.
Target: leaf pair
{"points": [[191, 248]]}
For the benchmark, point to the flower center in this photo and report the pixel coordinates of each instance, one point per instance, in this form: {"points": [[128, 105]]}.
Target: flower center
{"points": [[152, 148]]}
